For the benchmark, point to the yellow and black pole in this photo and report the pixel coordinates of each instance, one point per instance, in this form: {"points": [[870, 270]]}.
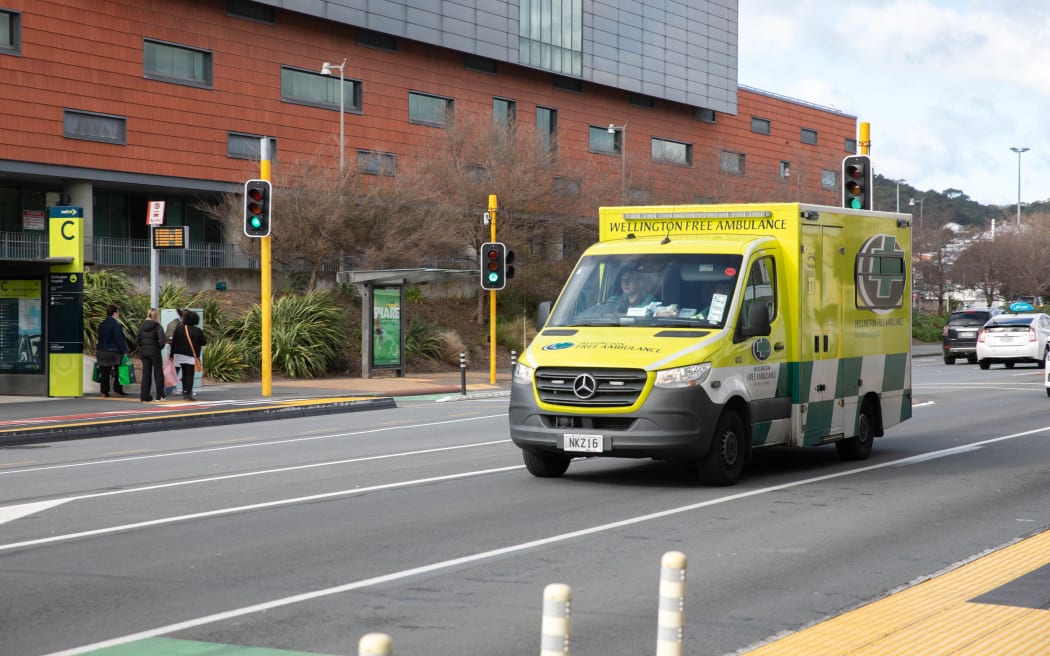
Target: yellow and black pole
{"points": [[492, 298], [265, 282]]}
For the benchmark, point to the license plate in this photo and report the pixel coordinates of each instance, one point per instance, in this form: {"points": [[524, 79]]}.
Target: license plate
{"points": [[967, 333], [584, 443]]}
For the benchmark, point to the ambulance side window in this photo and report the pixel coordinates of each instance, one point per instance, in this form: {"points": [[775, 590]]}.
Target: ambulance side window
{"points": [[761, 288]]}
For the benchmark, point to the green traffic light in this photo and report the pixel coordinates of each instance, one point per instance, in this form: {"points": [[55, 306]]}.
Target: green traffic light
{"points": [[493, 276], [256, 222]]}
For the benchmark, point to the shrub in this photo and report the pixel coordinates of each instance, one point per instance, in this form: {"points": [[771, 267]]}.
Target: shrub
{"points": [[927, 327], [224, 360]]}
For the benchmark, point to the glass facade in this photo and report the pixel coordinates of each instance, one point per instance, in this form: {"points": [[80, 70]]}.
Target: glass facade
{"points": [[550, 35]]}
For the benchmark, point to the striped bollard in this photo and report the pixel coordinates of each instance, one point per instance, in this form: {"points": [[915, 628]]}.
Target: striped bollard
{"points": [[375, 644], [463, 372], [557, 623], [671, 617], [513, 361]]}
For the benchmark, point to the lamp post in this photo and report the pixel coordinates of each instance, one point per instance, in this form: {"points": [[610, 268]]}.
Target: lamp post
{"points": [[1019, 150], [919, 202], [622, 129], [899, 194], [326, 69]]}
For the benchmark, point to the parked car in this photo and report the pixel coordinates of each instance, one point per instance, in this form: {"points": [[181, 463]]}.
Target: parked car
{"points": [[959, 337], [1013, 338]]}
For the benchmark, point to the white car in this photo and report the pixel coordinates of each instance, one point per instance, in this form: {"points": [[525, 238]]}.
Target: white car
{"points": [[1013, 338]]}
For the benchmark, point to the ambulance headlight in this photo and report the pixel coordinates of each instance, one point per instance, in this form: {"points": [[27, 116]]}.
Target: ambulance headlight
{"points": [[523, 374], [690, 376]]}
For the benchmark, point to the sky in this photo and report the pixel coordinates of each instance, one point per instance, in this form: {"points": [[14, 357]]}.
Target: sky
{"points": [[948, 87]]}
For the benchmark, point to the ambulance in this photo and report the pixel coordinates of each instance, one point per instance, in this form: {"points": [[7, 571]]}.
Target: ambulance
{"points": [[758, 325]]}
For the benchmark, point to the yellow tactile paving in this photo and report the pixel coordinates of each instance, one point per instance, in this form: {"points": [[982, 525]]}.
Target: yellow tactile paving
{"points": [[938, 617]]}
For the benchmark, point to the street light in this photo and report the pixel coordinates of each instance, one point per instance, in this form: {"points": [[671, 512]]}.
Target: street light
{"points": [[899, 194], [913, 203], [622, 129], [1019, 150], [326, 69]]}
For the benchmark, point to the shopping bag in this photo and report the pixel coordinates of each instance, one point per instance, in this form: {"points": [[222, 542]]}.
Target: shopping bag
{"points": [[96, 375], [126, 371], [171, 377]]}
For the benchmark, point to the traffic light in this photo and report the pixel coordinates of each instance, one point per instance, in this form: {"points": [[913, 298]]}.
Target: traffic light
{"points": [[856, 182], [257, 208], [494, 265]]}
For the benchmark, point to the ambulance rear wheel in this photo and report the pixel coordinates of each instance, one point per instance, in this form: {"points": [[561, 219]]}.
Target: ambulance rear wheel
{"points": [[545, 465], [859, 447], [724, 462]]}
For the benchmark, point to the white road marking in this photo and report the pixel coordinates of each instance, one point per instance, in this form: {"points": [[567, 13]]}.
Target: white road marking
{"points": [[503, 551], [9, 513]]}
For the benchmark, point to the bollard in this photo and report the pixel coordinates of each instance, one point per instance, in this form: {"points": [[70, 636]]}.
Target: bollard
{"points": [[671, 616], [557, 623], [513, 361], [463, 372], [375, 644]]}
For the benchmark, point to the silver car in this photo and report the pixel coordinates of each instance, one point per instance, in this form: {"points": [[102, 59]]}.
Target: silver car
{"points": [[1013, 338]]}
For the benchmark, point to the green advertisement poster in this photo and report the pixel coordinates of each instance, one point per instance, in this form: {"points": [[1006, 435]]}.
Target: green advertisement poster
{"points": [[386, 327]]}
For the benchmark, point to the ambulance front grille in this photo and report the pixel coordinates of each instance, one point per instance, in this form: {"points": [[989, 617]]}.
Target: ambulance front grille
{"points": [[590, 387]]}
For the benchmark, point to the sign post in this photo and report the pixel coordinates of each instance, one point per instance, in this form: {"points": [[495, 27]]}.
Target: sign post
{"points": [[154, 218]]}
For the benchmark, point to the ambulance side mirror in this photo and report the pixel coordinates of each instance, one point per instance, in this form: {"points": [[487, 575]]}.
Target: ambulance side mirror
{"points": [[757, 321], [542, 312]]}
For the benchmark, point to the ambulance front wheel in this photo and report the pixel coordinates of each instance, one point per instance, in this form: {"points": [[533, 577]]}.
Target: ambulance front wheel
{"points": [[724, 462], [545, 465], [859, 447]]}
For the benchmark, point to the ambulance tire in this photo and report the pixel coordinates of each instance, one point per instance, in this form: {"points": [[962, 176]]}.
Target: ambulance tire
{"points": [[724, 462], [859, 447], [545, 465]]}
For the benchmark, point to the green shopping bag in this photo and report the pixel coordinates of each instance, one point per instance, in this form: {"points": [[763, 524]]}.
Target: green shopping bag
{"points": [[126, 371], [96, 375]]}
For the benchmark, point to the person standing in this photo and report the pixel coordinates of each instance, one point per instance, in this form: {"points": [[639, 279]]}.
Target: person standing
{"points": [[112, 347], [186, 345], [150, 340]]}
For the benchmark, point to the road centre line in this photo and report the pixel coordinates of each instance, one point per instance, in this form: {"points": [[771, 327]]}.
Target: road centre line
{"points": [[516, 548], [291, 440]]}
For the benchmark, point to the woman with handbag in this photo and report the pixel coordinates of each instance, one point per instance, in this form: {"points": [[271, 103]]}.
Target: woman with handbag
{"points": [[112, 347], [150, 340], [186, 345]]}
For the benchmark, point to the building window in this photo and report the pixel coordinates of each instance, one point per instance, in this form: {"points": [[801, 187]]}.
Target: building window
{"points": [[248, 146], [759, 125], [600, 140], [310, 88], [851, 146], [480, 64], [376, 40], [252, 11], [376, 163], [733, 163], [566, 186], [10, 32], [809, 136], [675, 152], [429, 110], [547, 127], [567, 84], [95, 127], [503, 112], [550, 35], [640, 100], [829, 179], [785, 169], [180, 64], [704, 114]]}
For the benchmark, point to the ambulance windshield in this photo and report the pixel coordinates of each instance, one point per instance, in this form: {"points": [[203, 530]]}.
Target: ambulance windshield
{"points": [[687, 290]]}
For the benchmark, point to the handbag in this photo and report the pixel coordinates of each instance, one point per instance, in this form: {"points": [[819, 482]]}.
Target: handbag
{"points": [[126, 371], [197, 364], [96, 375], [171, 377]]}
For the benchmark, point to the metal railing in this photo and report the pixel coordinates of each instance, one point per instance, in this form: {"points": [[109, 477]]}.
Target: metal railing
{"points": [[121, 251]]}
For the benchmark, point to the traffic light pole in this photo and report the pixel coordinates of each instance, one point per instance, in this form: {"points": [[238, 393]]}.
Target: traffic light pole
{"points": [[265, 282], [492, 299]]}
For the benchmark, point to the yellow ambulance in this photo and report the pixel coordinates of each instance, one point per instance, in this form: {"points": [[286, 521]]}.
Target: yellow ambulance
{"points": [[701, 332]]}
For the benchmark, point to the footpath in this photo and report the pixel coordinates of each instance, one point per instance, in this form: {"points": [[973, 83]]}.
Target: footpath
{"points": [[30, 420]]}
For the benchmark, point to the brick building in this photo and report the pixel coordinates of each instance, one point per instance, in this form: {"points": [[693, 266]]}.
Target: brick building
{"points": [[109, 104]]}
